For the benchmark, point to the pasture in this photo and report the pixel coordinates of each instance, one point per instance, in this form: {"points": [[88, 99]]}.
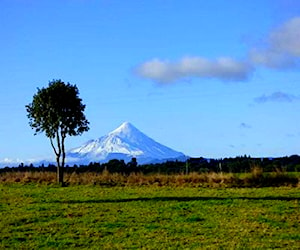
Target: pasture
{"points": [[35, 216]]}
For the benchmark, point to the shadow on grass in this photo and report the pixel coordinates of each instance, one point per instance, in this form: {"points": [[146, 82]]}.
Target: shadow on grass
{"points": [[172, 198]]}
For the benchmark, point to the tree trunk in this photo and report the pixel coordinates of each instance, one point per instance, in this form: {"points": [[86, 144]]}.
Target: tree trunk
{"points": [[60, 167], [63, 151], [60, 176], [60, 172]]}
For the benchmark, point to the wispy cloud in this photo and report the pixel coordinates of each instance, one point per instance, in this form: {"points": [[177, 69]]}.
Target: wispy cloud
{"points": [[245, 125], [282, 48], [223, 68], [291, 135], [276, 97]]}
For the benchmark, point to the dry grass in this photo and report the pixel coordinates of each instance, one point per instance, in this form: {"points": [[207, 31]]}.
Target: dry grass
{"points": [[254, 179], [26, 177]]}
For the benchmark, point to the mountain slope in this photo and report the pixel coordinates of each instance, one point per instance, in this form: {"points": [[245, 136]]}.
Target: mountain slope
{"points": [[124, 143]]}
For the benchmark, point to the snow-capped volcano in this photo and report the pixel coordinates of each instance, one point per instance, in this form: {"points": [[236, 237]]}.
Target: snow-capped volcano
{"points": [[124, 143]]}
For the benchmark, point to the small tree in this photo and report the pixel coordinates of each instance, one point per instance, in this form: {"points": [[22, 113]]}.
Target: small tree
{"points": [[58, 111]]}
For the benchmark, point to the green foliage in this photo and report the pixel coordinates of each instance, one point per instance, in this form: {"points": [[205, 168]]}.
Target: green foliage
{"points": [[93, 217], [57, 108]]}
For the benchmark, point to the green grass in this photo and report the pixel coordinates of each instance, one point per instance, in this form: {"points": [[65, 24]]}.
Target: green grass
{"points": [[94, 217]]}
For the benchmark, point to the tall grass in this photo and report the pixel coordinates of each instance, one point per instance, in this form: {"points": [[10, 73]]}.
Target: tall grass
{"points": [[254, 179], [258, 178]]}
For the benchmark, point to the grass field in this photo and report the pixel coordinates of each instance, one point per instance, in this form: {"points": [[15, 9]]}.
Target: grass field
{"points": [[93, 217]]}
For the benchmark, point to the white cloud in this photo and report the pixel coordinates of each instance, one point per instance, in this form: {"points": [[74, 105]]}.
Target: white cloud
{"points": [[223, 68], [282, 49], [286, 38], [276, 97]]}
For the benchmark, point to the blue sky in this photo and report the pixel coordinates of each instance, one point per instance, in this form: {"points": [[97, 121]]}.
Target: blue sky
{"points": [[207, 78]]}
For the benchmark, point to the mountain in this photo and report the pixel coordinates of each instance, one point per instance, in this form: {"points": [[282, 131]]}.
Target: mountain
{"points": [[123, 143]]}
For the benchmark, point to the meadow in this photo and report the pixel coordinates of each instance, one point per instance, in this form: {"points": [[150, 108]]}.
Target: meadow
{"points": [[153, 216]]}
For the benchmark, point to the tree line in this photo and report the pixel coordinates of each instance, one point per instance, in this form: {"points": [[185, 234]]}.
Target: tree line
{"points": [[240, 164]]}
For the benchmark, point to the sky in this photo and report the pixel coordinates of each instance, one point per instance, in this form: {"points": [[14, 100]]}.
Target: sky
{"points": [[207, 78]]}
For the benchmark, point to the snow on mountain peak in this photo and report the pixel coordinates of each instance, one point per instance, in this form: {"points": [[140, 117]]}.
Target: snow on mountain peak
{"points": [[126, 141], [126, 128]]}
